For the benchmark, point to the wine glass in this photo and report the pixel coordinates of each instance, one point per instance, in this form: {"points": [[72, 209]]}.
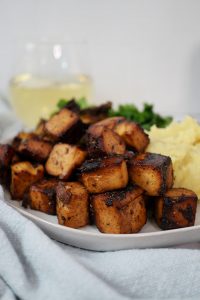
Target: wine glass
{"points": [[46, 73]]}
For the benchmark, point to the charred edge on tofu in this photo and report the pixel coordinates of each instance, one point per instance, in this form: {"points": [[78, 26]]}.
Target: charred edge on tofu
{"points": [[103, 109], [119, 195], [128, 155], [39, 154], [26, 200], [21, 137], [16, 142], [5, 176], [73, 134], [73, 106], [169, 201], [95, 164], [188, 213], [6, 157], [153, 159], [6, 154], [91, 211], [95, 145], [50, 192], [51, 195], [164, 169], [96, 113], [62, 194]]}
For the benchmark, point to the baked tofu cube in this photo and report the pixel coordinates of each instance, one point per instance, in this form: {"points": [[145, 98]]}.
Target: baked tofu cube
{"points": [[21, 137], [133, 135], [16, 158], [72, 204], [120, 211], [101, 175], [91, 213], [7, 154], [95, 114], [64, 159], [62, 126], [102, 141], [40, 132], [152, 172], [176, 209], [42, 196], [35, 149], [73, 106], [23, 175], [128, 155], [40, 128], [110, 122]]}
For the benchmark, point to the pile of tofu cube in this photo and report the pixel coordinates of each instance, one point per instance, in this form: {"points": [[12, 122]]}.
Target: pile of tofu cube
{"points": [[88, 168]]}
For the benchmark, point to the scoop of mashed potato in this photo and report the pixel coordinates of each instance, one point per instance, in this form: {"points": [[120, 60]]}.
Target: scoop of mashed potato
{"points": [[180, 141]]}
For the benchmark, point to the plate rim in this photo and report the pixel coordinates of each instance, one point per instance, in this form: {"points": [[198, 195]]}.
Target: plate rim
{"points": [[100, 234]]}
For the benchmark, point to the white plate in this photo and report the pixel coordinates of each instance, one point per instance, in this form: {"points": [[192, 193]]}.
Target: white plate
{"points": [[90, 238]]}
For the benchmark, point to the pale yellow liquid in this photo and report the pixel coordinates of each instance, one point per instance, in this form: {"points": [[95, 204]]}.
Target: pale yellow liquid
{"points": [[33, 97]]}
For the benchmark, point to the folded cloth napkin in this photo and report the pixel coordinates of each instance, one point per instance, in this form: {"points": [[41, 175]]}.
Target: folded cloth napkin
{"points": [[32, 266]]}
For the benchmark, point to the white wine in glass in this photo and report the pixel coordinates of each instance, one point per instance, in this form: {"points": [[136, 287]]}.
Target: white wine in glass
{"points": [[34, 94]]}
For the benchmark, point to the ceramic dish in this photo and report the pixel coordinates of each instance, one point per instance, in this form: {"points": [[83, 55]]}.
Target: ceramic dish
{"points": [[90, 238]]}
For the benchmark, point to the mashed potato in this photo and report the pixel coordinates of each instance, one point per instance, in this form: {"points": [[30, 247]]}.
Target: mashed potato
{"points": [[180, 141]]}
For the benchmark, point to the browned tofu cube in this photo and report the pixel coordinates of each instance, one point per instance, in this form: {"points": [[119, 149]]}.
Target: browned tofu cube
{"points": [[110, 122], [42, 196], [7, 154], [73, 106], [35, 149], [95, 114], [64, 126], [40, 128], [120, 211], [176, 209], [91, 213], [23, 175], [102, 141], [152, 172], [16, 159], [133, 135], [128, 155], [72, 204], [101, 175], [64, 159], [41, 133], [21, 137]]}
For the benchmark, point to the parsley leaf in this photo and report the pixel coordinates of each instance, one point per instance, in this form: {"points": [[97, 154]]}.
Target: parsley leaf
{"points": [[146, 117]]}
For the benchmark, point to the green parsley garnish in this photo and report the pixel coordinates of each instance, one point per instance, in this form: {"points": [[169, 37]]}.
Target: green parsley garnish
{"points": [[146, 117]]}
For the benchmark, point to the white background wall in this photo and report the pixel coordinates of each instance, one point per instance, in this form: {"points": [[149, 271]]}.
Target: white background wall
{"points": [[141, 50]]}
